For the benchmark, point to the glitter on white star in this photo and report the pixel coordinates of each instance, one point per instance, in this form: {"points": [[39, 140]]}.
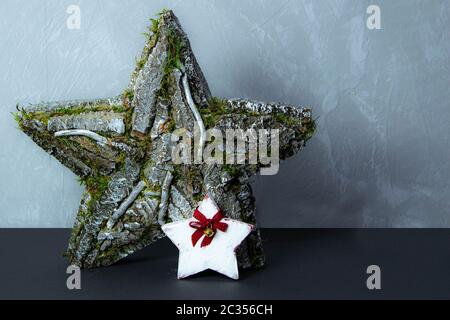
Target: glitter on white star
{"points": [[219, 256]]}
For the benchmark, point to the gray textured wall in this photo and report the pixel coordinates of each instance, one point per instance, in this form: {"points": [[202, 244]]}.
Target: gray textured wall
{"points": [[379, 158]]}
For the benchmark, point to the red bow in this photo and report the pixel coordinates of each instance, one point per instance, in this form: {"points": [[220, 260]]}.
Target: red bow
{"points": [[206, 227]]}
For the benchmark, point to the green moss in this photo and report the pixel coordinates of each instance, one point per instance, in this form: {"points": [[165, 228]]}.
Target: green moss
{"points": [[308, 130], [154, 28], [174, 48], [209, 120], [128, 96], [65, 141], [120, 160], [140, 63], [198, 197], [218, 105], [18, 118], [120, 109], [152, 38], [144, 145], [162, 12], [25, 115], [112, 254], [287, 121], [185, 173], [44, 116], [218, 108], [173, 61], [187, 178], [151, 187], [96, 185], [232, 170], [128, 116], [169, 126], [177, 173], [84, 109], [88, 213], [175, 45]]}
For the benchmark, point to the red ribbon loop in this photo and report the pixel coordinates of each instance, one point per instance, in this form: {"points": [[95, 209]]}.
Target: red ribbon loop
{"points": [[206, 227]]}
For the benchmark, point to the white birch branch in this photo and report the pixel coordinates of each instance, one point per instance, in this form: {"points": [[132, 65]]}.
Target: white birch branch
{"points": [[86, 133], [165, 188], [126, 204], [197, 116]]}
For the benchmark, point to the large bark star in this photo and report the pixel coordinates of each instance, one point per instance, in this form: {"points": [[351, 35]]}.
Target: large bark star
{"points": [[121, 150]]}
